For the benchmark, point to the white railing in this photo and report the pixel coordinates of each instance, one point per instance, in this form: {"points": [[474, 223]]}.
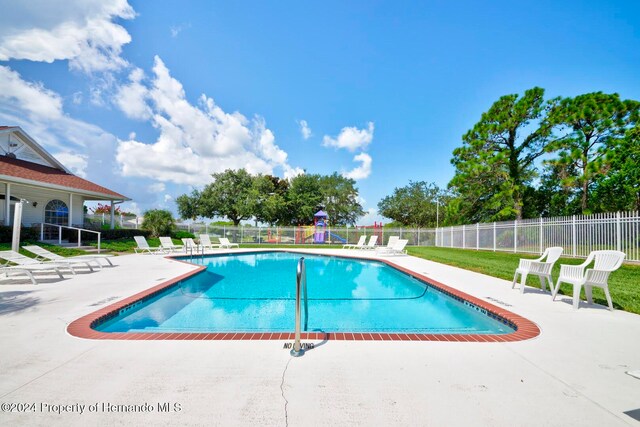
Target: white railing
{"points": [[577, 234], [121, 221], [60, 227], [305, 235]]}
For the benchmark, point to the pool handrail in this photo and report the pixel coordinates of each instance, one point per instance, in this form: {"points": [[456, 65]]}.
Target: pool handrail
{"points": [[301, 285]]}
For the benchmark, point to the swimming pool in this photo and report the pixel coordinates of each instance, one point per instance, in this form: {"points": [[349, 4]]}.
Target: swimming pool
{"points": [[255, 293]]}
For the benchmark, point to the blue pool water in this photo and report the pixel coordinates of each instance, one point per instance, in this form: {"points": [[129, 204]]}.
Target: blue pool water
{"points": [[256, 293]]}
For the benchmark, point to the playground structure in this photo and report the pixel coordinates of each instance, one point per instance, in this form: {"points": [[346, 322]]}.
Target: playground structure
{"points": [[376, 230], [274, 237], [316, 233], [320, 232]]}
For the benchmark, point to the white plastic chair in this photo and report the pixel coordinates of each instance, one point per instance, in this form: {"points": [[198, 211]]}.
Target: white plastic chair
{"points": [[190, 245], [396, 249], [539, 268], [168, 245], [205, 242], [371, 245], [225, 243], [605, 262], [357, 245], [143, 246]]}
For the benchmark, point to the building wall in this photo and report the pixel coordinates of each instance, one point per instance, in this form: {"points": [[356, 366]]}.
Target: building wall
{"points": [[35, 214]]}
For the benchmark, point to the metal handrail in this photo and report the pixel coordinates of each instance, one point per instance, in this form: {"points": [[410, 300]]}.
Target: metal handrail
{"points": [[60, 227], [301, 288]]}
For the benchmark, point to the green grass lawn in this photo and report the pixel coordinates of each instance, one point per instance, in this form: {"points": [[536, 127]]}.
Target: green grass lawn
{"points": [[52, 248], [624, 284]]}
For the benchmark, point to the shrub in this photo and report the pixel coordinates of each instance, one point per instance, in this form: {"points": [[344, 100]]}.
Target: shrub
{"points": [[159, 222], [183, 235], [31, 234]]}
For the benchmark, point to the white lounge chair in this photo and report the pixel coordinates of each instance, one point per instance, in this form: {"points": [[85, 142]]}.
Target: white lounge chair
{"points": [[539, 268], [205, 242], [396, 249], [357, 245], [44, 255], [190, 245], [392, 241], [225, 243], [23, 260], [605, 262], [371, 245], [28, 268], [143, 246], [168, 245]]}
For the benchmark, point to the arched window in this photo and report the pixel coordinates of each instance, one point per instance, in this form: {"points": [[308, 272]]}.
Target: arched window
{"points": [[56, 212]]}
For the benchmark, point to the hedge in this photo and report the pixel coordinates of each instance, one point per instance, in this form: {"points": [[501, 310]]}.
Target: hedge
{"points": [[26, 234]]}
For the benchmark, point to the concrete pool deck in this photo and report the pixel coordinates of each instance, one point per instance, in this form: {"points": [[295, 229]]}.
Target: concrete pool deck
{"points": [[573, 373]]}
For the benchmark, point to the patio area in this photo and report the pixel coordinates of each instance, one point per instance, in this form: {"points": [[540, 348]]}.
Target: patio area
{"points": [[573, 373]]}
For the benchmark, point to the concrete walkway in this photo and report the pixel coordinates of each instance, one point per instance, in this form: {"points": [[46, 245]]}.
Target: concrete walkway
{"points": [[574, 373]]}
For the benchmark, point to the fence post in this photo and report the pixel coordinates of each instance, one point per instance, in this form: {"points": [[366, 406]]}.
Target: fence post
{"points": [[573, 235], [477, 236], [541, 235], [494, 236], [436, 237], [241, 233], [618, 234], [451, 236], [464, 237], [418, 237], [102, 218], [515, 235]]}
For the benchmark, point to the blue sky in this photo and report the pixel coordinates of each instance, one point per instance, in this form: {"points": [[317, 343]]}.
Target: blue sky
{"points": [[149, 98]]}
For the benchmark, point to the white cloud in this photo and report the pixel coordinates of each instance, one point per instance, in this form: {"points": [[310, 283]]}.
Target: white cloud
{"points": [[305, 130], [351, 138], [77, 98], [81, 31], [195, 140], [370, 217], [177, 29], [32, 98], [290, 172], [362, 171], [132, 98], [168, 198], [76, 163], [157, 187]]}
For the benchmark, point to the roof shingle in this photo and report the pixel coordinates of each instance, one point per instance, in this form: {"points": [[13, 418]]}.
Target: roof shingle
{"points": [[32, 171]]}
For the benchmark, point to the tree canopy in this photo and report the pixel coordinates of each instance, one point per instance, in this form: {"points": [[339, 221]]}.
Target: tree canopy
{"points": [[595, 125], [414, 205], [239, 196], [496, 160], [229, 195]]}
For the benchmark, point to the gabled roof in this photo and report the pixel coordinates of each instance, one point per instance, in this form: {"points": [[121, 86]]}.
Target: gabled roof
{"points": [[35, 174], [34, 146]]}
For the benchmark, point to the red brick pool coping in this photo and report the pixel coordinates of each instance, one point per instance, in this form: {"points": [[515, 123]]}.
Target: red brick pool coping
{"points": [[524, 328]]}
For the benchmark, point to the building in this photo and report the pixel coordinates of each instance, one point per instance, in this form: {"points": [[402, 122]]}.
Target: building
{"points": [[54, 194]]}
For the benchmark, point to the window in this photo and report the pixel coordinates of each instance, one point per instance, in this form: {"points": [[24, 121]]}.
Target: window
{"points": [[56, 212]]}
